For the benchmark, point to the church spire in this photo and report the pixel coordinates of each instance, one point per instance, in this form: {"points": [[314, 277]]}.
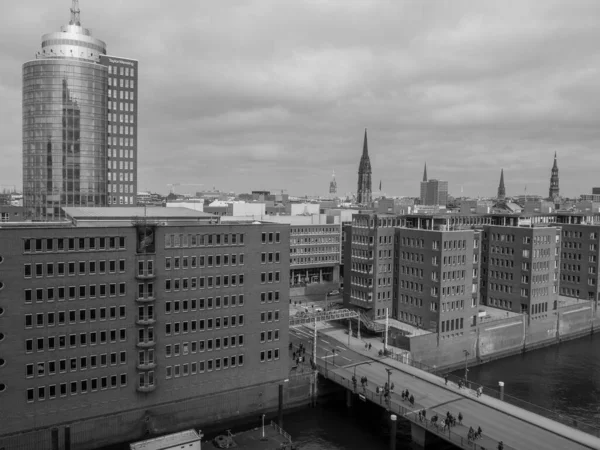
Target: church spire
{"points": [[75, 14], [425, 173], [501, 188], [333, 184], [363, 193], [554, 192]]}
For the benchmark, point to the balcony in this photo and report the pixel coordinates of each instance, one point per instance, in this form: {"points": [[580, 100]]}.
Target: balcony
{"points": [[145, 320], [146, 344], [146, 365], [145, 275], [145, 299], [146, 388]]}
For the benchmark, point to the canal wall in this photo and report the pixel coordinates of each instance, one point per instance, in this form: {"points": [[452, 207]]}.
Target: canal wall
{"points": [[501, 338], [217, 411]]}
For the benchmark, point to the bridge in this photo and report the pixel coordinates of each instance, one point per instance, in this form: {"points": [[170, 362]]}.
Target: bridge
{"points": [[517, 428]]}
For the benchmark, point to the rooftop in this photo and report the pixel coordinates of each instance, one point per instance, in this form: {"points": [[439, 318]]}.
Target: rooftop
{"points": [[151, 212]]}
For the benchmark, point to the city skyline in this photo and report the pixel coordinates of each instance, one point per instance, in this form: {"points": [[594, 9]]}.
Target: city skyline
{"points": [[236, 109]]}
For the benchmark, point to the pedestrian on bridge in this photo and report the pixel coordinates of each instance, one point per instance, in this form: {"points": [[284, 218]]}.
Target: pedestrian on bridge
{"points": [[424, 413], [500, 445], [412, 401], [370, 346], [446, 379], [460, 418]]}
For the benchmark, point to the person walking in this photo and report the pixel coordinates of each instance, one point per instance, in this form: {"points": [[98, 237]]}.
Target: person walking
{"points": [[446, 379], [500, 445], [412, 400], [460, 418]]}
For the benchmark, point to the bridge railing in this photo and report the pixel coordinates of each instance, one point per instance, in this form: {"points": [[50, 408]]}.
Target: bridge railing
{"points": [[412, 414], [553, 415]]}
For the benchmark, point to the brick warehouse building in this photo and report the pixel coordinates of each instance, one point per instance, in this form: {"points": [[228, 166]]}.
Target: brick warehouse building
{"points": [[113, 326], [436, 279]]}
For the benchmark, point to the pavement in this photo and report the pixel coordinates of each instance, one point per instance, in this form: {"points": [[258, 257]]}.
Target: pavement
{"points": [[516, 427]]}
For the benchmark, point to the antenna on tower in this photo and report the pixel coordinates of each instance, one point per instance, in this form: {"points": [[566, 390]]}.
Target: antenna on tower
{"points": [[75, 14]]}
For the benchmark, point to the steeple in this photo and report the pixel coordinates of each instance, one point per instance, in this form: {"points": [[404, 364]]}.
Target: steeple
{"points": [[75, 14], [554, 192], [363, 194], [501, 188], [333, 184], [425, 173]]}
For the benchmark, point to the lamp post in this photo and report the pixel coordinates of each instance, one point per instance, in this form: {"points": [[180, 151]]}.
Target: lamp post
{"points": [[466, 366], [263, 426]]}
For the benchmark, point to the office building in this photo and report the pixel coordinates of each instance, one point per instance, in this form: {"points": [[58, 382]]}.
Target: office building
{"points": [[368, 263], [437, 279], [79, 124], [121, 318], [579, 261], [433, 192], [520, 268], [363, 192], [122, 107], [315, 247]]}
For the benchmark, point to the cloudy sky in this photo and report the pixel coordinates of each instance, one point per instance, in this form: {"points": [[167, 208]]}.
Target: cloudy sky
{"points": [[274, 94]]}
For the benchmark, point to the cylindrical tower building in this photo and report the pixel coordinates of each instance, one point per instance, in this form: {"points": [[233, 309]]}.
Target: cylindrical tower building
{"points": [[65, 123]]}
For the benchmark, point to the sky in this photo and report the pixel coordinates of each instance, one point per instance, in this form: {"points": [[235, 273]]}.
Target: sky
{"points": [[276, 94]]}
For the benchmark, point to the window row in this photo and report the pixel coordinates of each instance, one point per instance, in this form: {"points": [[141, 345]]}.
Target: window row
{"points": [[209, 282], [213, 323], [53, 391], [185, 348], [203, 240], [271, 237], [48, 368], [315, 230], [73, 268], [270, 257], [193, 368], [268, 277], [73, 244], [73, 340], [269, 355], [80, 292], [72, 316], [176, 306], [127, 71], [185, 262]]}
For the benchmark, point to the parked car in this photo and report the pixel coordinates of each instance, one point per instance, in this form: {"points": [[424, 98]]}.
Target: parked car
{"points": [[335, 292]]}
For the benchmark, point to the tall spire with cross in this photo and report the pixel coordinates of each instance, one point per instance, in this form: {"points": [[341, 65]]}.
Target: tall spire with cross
{"points": [[75, 14], [363, 194], [333, 185], [553, 192], [425, 173], [501, 188]]}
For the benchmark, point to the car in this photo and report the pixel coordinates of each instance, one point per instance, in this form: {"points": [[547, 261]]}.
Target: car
{"points": [[335, 292], [318, 310]]}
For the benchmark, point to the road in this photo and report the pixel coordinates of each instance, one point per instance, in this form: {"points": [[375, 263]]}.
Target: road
{"points": [[343, 356], [496, 425]]}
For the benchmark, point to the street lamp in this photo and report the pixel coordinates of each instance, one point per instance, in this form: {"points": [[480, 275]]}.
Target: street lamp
{"points": [[466, 366]]}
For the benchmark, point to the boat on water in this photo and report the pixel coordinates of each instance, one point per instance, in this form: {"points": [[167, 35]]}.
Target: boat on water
{"points": [[270, 437]]}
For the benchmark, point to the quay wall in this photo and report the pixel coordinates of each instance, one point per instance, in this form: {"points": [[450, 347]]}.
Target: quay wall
{"points": [[205, 412], [501, 338]]}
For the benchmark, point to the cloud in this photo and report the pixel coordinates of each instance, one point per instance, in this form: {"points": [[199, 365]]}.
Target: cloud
{"points": [[264, 93]]}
